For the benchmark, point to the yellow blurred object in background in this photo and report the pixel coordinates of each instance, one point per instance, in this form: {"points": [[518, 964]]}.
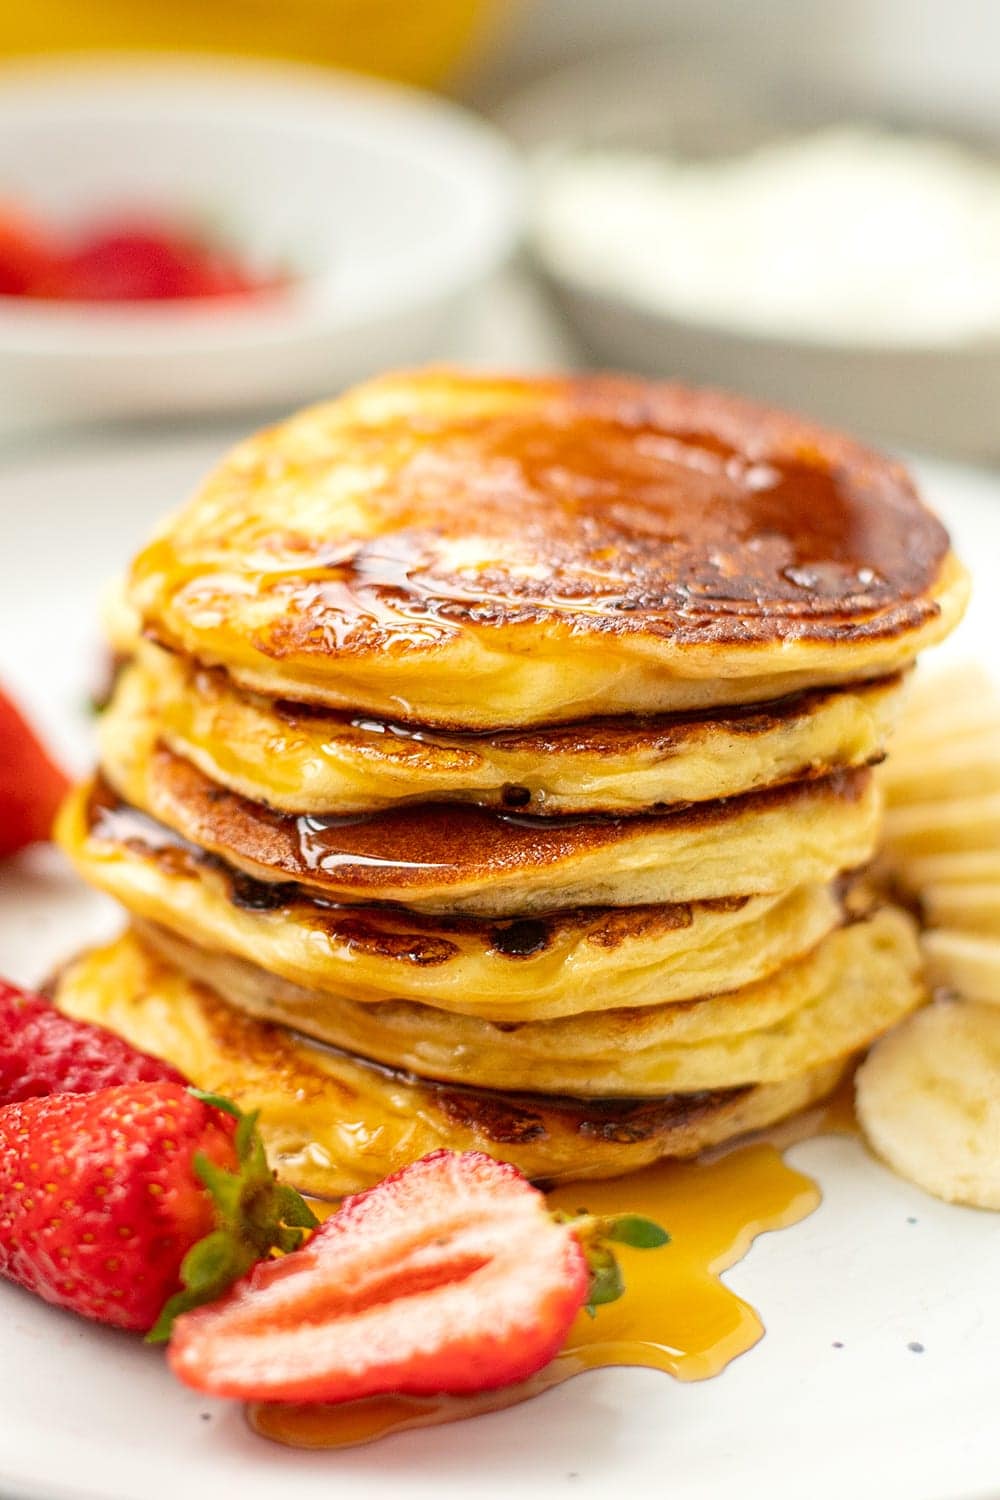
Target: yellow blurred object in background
{"points": [[416, 41]]}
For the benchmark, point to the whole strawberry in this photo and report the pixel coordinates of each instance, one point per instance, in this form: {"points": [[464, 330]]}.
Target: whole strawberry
{"points": [[31, 784], [137, 1202], [45, 1052]]}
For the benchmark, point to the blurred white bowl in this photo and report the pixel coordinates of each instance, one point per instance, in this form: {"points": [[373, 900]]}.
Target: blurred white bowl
{"points": [[386, 204], [942, 399], [942, 396]]}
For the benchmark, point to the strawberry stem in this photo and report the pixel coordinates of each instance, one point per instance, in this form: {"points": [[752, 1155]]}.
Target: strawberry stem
{"points": [[255, 1215], [596, 1234]]}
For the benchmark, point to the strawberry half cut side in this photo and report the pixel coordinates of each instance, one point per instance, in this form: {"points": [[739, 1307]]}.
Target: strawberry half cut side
{"points": [[449, 1276]]}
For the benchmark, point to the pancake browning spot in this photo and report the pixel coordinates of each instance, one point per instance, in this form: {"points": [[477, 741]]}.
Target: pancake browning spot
{"points": [[521, 939], [410, 947], [499, 1117], [513, 1119]]}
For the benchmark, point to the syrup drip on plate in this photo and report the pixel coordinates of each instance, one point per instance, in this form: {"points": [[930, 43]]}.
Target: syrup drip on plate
{"points": [[676, 1315]]}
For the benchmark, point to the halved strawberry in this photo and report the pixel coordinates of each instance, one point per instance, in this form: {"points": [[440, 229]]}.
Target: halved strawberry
{"points": [[31, 784], [449, 1276]]}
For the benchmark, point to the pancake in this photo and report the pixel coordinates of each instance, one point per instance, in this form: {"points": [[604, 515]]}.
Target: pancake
{"points": [[454, 858], [333, 1124], [474, 551], [530, 968], [854, 985], [457, 860], [303, 760]]}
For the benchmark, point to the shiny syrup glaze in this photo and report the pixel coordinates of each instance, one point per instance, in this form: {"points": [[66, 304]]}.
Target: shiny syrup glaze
{"points": [[431, 843], [677, 1316], [391, 930], [619, 506], [628, 526]]}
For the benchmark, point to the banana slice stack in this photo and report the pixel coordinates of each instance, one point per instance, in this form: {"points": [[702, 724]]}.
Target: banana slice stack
{"points": [[928, 1096]]}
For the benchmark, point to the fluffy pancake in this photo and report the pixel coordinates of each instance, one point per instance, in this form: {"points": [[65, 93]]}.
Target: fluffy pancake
{"points": [[474, 551], [303, 760], [857, 983], [539, 968], [333, 1124], [455, 858]]}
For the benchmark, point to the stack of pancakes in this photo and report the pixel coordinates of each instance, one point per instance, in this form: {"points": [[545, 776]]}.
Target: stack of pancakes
{"points": [[493, 767]]}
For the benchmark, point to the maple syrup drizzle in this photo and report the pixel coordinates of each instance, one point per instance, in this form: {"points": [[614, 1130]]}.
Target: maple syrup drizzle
{"points": [[676, 1316], [629, 504]]}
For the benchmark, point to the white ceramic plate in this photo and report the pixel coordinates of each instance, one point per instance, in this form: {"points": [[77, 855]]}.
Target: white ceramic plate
{"points": [[88, 1413]]}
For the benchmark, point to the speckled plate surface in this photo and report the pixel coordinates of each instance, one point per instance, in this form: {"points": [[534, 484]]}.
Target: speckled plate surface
{"points": [[836, 1399]]}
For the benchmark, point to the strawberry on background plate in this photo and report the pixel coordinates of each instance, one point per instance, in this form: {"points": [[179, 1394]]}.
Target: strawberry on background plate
{"points": [[27, 252], [126, 258], [137, 1202], [144, 262], [44, 1052], [449, 1276], [31, 784]]}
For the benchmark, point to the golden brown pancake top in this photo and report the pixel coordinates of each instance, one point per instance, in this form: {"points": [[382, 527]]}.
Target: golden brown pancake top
{"points": [[612, 505]]}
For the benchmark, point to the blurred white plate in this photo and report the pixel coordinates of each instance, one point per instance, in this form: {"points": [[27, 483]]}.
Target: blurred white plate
{"points": [[87, 1413], [390, 204]]}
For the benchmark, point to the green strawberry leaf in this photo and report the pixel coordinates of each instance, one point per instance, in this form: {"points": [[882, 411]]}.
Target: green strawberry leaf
{"points": [[225, 1187], [254, 1213], [217, 1101], [294, 1208], [606, 1285], [245, 1137], [596, 1234], [634, 1230], [211, 1261]]}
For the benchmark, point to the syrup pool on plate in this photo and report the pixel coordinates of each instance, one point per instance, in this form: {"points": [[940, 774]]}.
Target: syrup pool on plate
{"points": [[676, 1315]]}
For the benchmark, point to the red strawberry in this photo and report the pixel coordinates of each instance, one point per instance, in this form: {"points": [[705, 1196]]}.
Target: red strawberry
{"points": [[31, 784], [111, 1203], [27, 253], [45, 1052], [145, 262], [448, 1276]]}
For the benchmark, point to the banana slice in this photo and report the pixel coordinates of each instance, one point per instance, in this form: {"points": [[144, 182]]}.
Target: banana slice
{"points": [[967, 767], [964, 908], [945, 706], [971, 867], [967, 964], [928, 1099], [959, 825], [928, 1096]]}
